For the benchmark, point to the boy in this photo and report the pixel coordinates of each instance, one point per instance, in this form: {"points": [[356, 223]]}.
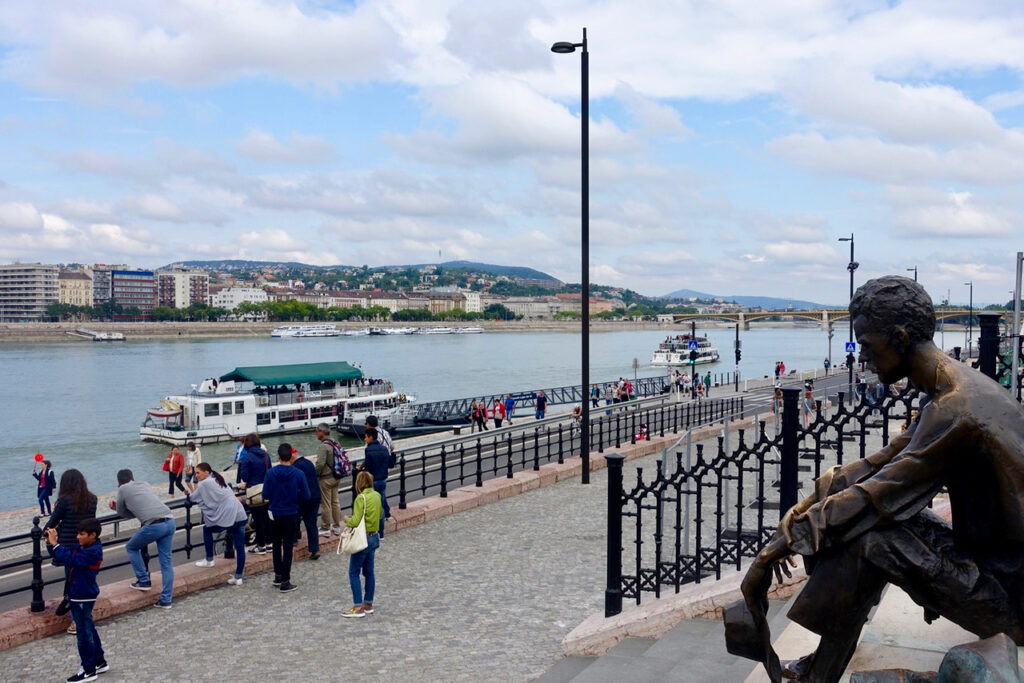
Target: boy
{"points": [[84, 562]]}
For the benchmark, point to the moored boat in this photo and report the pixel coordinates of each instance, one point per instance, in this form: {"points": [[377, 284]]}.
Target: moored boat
{"points": [[675, 350], [324, 330]]}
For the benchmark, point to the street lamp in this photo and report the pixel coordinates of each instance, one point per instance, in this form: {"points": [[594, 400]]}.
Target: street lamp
{"points": [[565, 48], [851, 266], [970, 320], [915, 272]]}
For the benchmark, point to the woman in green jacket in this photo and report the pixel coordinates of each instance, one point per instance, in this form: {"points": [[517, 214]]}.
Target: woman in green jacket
{"points": [[367, 503]]}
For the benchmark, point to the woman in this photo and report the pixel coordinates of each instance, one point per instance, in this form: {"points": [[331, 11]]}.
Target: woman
{"points": [[222, 511], [192, 458], [174, 465], [367, 504], [74, 503], [47, 483], [472, 417], [481, 416], [252, 468], [808, 406]]}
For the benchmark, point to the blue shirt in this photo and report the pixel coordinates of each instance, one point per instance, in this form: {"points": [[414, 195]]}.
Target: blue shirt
{"points": [[285, 487], [375, 460], [84, 564], [253, 466], [510, 403], [309, 469]]}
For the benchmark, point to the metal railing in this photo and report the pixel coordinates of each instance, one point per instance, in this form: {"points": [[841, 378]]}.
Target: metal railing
{"points": [[694, 518]]}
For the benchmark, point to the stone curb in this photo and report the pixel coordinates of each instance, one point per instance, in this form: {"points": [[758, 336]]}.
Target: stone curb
{"points": [[20, 626]]}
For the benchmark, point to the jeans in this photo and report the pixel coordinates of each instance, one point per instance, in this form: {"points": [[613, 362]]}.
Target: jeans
{"points": [[283, 531], [237, 535], [161, 533], [363, 562], [308, 512], [90, 650], [172, 481], [381, 487], [44, 502], [539, 415]]}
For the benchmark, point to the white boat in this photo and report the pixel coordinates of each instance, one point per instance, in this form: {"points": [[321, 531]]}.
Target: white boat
{"points": [[468, 330], [675, 350], [390, 331], [324, 330], [435, 330], [272, 399], [361, 332], [108, 337]]}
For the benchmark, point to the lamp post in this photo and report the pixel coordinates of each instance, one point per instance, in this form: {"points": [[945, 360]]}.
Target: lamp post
{"points": [[568, 48], [915, 272], [970, 320], [851, 266]]}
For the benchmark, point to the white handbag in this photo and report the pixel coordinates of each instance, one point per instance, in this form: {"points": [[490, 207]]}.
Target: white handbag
{"points": [[353, 539]]}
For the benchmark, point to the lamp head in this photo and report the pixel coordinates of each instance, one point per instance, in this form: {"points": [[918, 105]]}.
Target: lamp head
{"points": [[563, 48]]}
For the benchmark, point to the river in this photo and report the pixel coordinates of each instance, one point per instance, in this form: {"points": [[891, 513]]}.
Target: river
{"points": [[80, 404]]}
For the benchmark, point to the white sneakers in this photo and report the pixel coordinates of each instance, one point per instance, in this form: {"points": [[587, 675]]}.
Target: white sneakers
{"points": [[204, 563], [234, 582], [326, 532]]}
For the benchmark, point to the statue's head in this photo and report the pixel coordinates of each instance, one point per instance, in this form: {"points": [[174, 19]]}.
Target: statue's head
{"points": [[891, 315]]}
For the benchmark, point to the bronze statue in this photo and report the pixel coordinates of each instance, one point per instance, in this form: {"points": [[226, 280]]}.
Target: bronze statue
{"points": [[867, 523]]}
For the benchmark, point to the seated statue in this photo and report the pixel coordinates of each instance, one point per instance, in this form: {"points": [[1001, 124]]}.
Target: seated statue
{"points": [[868, 523]]}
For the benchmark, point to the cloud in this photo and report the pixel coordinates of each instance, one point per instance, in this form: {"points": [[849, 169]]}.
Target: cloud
{"points": [[803, 253], [656, 120], [19, 217], [496, 36], [926, 212], [114, 239], [298, 149], [154, 207]]}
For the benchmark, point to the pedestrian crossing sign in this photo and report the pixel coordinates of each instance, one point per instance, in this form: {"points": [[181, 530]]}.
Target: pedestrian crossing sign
{"points": [[851, 347]]}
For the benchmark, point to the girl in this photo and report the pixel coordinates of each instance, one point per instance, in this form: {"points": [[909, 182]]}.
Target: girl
{"points": [[222, 511], [47, 483], [75, 503], [174, 466]]}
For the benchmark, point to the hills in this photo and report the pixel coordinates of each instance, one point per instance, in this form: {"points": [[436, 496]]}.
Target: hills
{"points": [[769, 303], [488, 268]]}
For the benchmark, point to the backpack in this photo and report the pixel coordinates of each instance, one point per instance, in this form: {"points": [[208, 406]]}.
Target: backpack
{"points": [[340, 467]]}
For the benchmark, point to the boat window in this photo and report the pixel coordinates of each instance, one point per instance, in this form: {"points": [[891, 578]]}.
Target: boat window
{"points": [[227, 408], [239, 407], [211, 410], [262, 418], [294, 415]]}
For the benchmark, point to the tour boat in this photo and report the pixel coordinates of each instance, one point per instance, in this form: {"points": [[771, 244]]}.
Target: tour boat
{"points": [[675, 350], [108, 337], [325, 330], [468, 330], [435, 330], [270, 399], [390, 331]]}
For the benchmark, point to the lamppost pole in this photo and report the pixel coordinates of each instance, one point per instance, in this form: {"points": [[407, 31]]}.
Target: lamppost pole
{"points": [[566, 48], [851, 266], [970, 320], [915, 272]]}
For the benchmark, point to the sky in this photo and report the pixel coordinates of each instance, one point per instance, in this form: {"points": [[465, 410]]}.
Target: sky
{"points": [[731, 142]]}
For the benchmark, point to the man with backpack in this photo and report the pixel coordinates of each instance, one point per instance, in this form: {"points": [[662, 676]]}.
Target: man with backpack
{"points": [[330, 510]]}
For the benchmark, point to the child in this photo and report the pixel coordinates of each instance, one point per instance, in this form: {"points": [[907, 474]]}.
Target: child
{"points": [[83, 562]]}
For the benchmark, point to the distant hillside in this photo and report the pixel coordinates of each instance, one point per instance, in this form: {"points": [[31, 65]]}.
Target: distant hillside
{"points": [[766, 302], [490, 269], [507, 271]]}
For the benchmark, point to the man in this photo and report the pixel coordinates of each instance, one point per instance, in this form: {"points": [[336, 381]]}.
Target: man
{"points": [[310, 508], [867, 523], [707, 384], [542, 405], [375, 461], [383, 438], [510, 407], [330, 509], [285, 488], [156, 525]]}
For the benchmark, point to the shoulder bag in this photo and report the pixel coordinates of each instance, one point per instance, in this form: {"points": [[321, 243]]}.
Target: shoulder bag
{"points": [[254, 496], [353, 539]]}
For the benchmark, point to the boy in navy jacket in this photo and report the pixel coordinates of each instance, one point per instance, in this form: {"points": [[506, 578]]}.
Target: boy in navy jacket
{"points": [[83, 561]]}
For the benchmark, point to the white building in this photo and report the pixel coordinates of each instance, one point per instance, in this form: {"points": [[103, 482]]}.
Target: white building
{"points": [[181, 287], [26, 289], [232, 296]]}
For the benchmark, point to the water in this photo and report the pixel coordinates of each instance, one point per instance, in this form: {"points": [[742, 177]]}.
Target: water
{"points": [[81, 404]]}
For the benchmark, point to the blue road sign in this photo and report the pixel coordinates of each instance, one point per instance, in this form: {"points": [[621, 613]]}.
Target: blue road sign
{"points": [[851, 347], [692, 345]]}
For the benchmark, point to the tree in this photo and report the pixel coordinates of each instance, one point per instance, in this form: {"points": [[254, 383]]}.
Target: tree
{"points": [[60, 311], [498, 312], [568, 315], [411, 314]]}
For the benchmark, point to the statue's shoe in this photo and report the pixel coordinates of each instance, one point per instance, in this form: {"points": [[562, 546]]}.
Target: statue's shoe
{"points": [[797, 669]]}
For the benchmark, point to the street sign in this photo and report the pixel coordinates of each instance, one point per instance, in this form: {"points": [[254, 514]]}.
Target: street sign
{"points": [[851, 347], [636, 363], [692, 345]]}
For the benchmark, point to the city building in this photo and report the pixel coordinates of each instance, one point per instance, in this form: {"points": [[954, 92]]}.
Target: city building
{"points": [[74, 287], [26, 289], [101, 281], [231, 297], [134, 289], [180, 287]]}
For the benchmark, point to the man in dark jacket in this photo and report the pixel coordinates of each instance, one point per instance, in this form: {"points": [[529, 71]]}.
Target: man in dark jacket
{"points": [[84, 559], [375, 461], [286, 489], [309, 510]]}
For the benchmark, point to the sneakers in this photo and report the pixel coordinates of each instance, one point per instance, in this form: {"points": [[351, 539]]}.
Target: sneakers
{"points": [[325, 532], [336, 530], [142, 585], [163, 605], [354, 613], [204, 563], [82, 676], [277, 581], [288, 587], [72, 629], [314, 556], [235, 581], [102, 667], [260, 550], [367, 609]]}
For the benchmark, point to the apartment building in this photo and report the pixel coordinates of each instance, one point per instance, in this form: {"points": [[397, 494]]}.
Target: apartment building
{"points": [[230, 297], [181, 287], [74, 287], [26, 289], [134, 289]]}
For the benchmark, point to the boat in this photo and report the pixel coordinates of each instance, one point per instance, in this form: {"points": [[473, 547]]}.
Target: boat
{"points": [[401, 423], [108, 337], [270, 399], [435, 330], [324, 330], [675, 350], [468, 330], [361, 332], [390, 331]]}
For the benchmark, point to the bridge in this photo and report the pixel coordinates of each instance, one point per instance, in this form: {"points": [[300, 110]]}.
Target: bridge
{"points": [[824, 316]]}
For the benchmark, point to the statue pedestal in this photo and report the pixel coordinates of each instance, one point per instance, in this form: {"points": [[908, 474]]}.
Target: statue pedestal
{"points": [[896, 636]]}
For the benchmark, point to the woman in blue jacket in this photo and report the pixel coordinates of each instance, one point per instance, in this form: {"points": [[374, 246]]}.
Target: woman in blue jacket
{"points": [[252, 469]]}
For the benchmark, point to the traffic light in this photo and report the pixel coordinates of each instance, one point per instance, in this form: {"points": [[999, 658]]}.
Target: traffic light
{"points": [[739, 354], [693, 357]]}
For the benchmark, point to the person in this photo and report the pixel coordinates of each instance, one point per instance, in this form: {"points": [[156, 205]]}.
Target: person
{"points": [[778, 370], [782, 368], [239, 450], [74, 503], [84, 558], [366, 506], [472, 416], [222, 511], [707, 384], [252, 468], [641, 433], [383, 437], [777, 398], [285, 487], [595, 396], [174, 466], [310, 509], [375, 461], [828, 366], [510, 407], [542, 405], [498, 412], [156, 525], [577, 416], [609, 398], [808, 404], [46, 482], [327, 483], [868, 523], [193, 458], [481, 415]]}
